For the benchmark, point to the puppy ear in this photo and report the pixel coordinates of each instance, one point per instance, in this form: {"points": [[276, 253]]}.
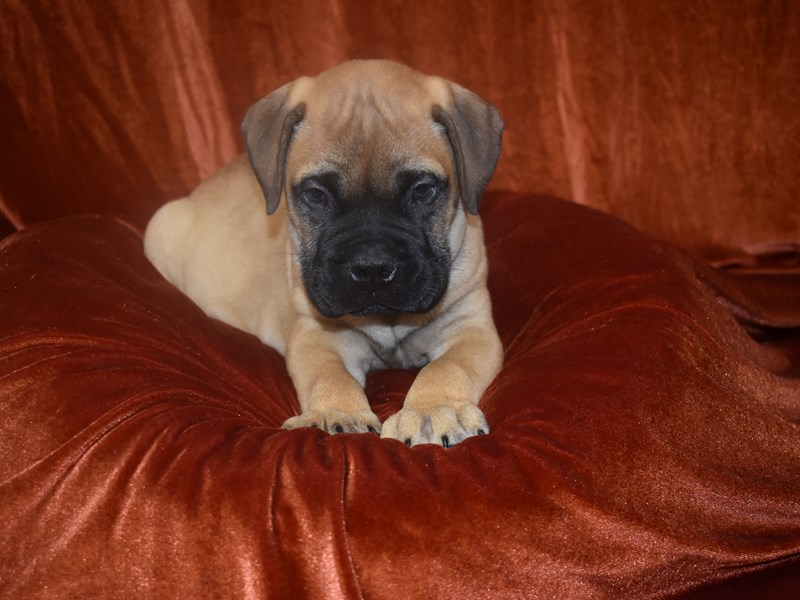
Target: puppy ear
{"points": [[267, 129], [474, 129]]}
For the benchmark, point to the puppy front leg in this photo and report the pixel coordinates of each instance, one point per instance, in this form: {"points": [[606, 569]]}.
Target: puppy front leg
{"points": [[441, 406], [330, 396]]}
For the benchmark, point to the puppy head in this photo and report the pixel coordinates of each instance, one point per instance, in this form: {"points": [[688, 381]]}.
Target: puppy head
{"points": [[377, 163]]}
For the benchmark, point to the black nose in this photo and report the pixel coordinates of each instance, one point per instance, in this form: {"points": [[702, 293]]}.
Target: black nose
{"points": [[373, 271]]}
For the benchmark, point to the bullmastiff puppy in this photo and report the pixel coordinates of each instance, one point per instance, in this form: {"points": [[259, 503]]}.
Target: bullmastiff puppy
{"points": [[370, 254]]}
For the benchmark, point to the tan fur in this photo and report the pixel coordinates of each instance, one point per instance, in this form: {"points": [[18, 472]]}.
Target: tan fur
{"points": [[363, 119]]}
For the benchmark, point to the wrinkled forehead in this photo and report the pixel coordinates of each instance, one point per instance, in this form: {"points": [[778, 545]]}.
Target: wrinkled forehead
{"points": [[366, 128]]}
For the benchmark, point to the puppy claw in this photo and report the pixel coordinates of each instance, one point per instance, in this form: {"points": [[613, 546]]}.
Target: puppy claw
{"points": [[444, 425], [336, 422]]}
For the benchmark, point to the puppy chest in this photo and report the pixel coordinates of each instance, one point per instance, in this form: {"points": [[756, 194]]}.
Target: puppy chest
{"points": [[397, 347]]}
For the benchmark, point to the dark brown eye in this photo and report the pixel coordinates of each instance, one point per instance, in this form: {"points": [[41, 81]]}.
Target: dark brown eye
{"points": [[424, 191], [315, 195]]}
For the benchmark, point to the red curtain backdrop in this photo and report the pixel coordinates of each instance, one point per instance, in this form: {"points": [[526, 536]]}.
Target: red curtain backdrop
{"points": [[681, 118]]}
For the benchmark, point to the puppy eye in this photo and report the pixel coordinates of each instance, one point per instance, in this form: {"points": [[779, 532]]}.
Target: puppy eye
{"points": [[315, 195], [423, 192]]}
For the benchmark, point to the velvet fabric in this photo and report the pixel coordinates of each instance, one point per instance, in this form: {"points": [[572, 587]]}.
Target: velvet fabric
{"points": [[643, 445], [645, 434], [679, 117]]}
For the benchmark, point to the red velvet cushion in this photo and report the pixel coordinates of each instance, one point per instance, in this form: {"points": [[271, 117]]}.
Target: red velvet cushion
{"points": [[642, 443]]}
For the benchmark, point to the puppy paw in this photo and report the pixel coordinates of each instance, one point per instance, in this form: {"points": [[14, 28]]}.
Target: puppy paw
{"points": [[444, 424], [335, 421]]}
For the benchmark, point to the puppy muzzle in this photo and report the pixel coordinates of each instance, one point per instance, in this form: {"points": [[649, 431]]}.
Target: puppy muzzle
{"points": [[376, 276]]}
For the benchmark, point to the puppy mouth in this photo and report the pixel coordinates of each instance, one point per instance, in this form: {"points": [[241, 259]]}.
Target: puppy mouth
{"points": [[334, 307], [374, 309]]}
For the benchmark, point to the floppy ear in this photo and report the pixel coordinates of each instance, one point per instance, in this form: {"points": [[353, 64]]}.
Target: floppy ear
{"points": [[267, 129], [474, 129]]}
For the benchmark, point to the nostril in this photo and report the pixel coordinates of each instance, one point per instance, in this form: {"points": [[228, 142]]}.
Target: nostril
{"points": [[388, 272], [373, 272], [359, 272]]}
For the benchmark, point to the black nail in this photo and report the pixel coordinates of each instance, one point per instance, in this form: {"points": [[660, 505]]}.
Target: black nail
{"points": [[371, 429], [481, 432], [408, 442], [338, 428], [445, 441]]}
